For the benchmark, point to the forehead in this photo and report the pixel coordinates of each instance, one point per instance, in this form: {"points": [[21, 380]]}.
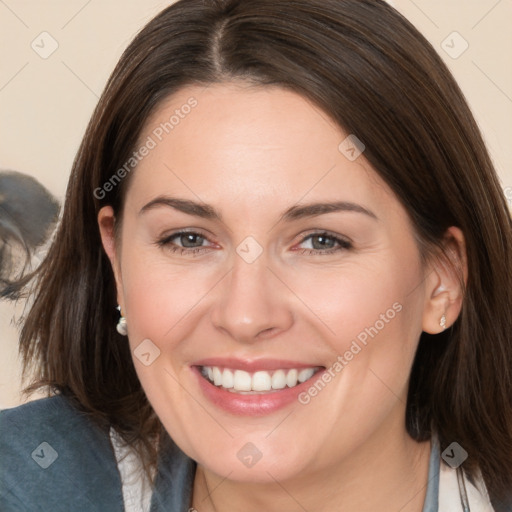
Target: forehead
{"points": [[266, 145]]}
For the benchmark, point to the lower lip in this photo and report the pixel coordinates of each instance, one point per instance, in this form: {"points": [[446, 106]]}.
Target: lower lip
{"points": [[252, 405]]}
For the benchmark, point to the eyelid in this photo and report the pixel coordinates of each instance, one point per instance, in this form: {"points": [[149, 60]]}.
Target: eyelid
{"points": [[326, 232], [186, 231]]}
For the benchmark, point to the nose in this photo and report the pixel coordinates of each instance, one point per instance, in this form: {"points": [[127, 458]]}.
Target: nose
{"points": [[254, 304]]}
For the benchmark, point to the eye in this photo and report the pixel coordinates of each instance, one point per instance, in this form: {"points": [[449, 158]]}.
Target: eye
{"points": [[191, 242], [324, 243]]}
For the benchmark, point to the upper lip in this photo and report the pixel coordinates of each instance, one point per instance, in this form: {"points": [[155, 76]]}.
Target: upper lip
{"points": [[253, 365]]}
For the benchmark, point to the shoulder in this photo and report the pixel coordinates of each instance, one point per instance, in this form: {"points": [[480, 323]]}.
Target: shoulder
{"points": [[45, 408], [55, 458]]}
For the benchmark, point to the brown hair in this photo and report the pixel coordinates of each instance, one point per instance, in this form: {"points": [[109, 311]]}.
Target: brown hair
{"points": [[372, 72]]}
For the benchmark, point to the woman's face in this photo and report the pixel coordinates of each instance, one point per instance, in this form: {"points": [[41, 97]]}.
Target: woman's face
{"points": [[266, 290]]}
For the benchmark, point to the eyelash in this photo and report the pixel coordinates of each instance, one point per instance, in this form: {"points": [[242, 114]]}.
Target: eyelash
{"points": [[342, 244]]}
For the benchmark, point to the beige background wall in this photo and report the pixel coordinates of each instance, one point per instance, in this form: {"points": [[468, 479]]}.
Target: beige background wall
{"points": [[46, 99]]}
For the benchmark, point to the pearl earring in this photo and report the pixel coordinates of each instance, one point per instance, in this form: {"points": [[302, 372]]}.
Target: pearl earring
{"points": [[442, 322], [121, 324]]}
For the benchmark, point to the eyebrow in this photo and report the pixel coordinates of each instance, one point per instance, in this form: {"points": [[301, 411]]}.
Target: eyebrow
{"points": [[296, 212]]}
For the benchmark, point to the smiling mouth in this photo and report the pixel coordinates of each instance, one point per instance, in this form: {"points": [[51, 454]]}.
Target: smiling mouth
{"points": [[242, 382]]}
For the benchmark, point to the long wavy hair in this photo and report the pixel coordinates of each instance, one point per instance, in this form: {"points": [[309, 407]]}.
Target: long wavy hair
{"points": [[376, 76]]}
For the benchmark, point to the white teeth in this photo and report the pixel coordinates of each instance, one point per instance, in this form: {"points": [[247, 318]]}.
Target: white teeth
{"points": [[279, 380], [242, 381], [217, 376], [261, 381], [291, 378], [305, 374], [228, 380]]}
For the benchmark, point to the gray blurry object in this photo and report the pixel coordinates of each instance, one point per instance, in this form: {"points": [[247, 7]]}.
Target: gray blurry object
{"points": [[27, 214]]}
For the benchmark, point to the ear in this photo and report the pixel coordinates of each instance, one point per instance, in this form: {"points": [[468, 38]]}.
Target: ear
{"points": [[106, 223], [447, 276]]}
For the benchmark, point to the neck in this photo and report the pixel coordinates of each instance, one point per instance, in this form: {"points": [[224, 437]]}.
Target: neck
{"points": [[387, 473]]}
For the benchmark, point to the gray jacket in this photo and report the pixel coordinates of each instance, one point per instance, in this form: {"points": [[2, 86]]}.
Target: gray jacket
{"points": [[54, 458]]}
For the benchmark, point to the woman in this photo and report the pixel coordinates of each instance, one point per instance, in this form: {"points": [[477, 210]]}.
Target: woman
{"points": [[289, 211]]}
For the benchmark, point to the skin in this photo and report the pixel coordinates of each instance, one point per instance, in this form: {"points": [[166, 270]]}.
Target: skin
{"points": [[252, 153]]}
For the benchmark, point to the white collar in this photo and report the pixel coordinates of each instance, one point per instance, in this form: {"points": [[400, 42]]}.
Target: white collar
{"points": [[451, 494]]}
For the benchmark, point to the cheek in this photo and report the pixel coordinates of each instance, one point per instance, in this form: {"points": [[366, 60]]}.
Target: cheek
{"points": [[158, 296], [360, 302], [164, 304], [160, 301], [371, 318]]}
